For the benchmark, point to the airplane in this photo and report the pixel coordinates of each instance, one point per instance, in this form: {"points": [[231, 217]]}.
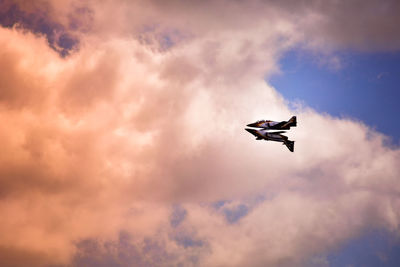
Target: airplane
{"points": [[263, 134], [275, 125]]}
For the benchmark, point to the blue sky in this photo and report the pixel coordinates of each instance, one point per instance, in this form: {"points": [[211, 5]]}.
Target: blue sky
{"points": [[365, 86], [373, 249]]}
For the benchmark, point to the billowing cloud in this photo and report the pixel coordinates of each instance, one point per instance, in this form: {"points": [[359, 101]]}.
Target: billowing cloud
{"points": [[131, 150]]}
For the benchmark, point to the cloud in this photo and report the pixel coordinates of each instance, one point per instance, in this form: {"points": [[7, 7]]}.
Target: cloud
{"points": [[34, 16], [131, 150]]}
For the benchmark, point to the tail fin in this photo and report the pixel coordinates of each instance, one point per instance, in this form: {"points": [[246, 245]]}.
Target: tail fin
{"points": [[293, 121], [290, 145]]}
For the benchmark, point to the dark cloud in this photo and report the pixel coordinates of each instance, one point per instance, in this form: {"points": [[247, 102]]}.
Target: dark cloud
{"points": [[359, 25], [120, 253], [37, 18], [127, 252]]}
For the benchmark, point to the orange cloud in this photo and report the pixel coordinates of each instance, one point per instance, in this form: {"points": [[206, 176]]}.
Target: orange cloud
{"points": [[99, 147]]}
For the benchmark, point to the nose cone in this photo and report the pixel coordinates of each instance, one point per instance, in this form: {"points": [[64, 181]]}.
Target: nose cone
{"points": [[252, 124], [252, 131]]}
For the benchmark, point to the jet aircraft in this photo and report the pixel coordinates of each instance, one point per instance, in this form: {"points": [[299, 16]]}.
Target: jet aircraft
{"points": [[261, 134], [275, 125]]}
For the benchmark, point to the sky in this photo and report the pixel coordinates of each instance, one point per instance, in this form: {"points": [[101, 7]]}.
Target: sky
{"points": [[363, 86], [123, 139]]}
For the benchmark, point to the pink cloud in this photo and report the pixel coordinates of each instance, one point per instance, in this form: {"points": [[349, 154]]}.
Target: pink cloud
{"points": [[109, 139]]}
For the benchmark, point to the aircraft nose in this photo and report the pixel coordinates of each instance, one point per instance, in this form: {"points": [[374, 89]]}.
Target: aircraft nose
{"points": [[252, 125]]}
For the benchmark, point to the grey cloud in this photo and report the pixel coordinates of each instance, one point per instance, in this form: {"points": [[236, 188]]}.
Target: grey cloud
{"points": [[38, 18], [120, 253]]}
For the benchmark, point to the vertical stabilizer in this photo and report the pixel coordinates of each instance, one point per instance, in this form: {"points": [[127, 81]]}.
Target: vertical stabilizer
{"points": [[293, 121]]}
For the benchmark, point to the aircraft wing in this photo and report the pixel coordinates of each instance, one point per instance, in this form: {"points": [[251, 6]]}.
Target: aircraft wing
{"points": [[255, 133], [278, 132]]}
